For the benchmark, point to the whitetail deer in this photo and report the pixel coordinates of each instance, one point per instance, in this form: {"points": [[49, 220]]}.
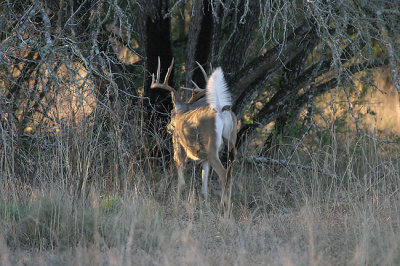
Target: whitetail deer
{"points": [[199, 130]]}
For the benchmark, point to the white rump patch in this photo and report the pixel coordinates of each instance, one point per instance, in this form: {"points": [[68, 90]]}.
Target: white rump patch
{"points": [[228, 124], [219, 128], [223, 127]]}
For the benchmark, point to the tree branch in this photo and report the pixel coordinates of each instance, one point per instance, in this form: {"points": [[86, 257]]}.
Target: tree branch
{"points": [[244, 84], [278, 104]]}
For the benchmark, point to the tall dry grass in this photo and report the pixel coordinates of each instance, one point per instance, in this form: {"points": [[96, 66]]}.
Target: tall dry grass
{"points": [[95, 195]]}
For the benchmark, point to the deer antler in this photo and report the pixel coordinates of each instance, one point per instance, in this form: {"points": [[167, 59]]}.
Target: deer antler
{"points": [[197, 92], [200, 92], [203, 71], [155, 83], [195, 89]]}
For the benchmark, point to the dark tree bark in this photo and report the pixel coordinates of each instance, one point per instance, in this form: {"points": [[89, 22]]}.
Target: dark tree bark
{"points": [[242, 26], [157, 43], [244, 85], [290, 73], [203, 47], [199, 42], [217, 34]]}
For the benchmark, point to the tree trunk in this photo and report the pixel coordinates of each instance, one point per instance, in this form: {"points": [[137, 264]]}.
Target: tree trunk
{"points": [[235, 50], [199, 42], [157, 43], [291, 72]]}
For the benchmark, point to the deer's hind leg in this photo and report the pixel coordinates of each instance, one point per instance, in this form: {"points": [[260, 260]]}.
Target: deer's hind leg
{"points": [[204, 179], [230, 141], [217, 166], [180, 162]]}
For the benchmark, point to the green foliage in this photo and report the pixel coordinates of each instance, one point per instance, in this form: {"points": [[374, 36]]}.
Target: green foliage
{"points": [[12, 212], [52, 222], [110, 204], [296, 129], [49, 222], [324, 137]]}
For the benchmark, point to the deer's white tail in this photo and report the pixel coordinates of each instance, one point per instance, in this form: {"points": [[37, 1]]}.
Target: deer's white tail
{"points": [[218, 95]]}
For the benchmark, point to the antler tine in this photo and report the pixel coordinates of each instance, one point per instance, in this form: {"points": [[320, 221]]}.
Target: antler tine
{"points": [[197, 88], [192, 89], [200, 93], [197, 96], [155, 83], [158, 70], [169, 72], [203, 71]]}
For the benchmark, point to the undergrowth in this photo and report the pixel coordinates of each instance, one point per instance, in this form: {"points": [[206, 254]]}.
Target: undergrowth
{"points": [[89, 199]]}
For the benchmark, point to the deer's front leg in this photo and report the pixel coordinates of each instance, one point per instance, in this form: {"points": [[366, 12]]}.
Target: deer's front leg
{"points": [[181, 182], [180, 161], [204, 179], [181, 178]]}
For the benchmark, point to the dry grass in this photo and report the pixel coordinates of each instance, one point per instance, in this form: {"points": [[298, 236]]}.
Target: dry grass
{"points": [[343, 211]]}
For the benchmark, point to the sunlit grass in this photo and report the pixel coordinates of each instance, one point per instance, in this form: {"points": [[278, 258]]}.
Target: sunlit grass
{"points": [[343, 209]]}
